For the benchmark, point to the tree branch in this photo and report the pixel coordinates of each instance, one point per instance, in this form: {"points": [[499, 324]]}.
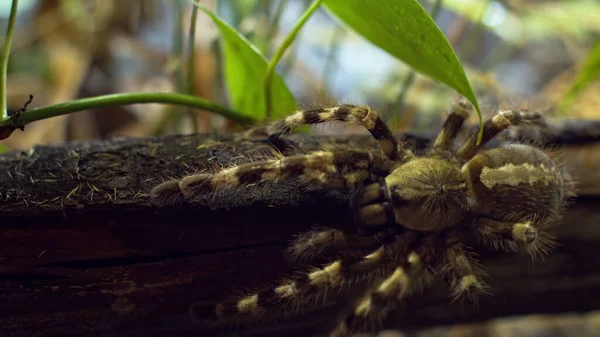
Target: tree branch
{"points": [[82, 253]]}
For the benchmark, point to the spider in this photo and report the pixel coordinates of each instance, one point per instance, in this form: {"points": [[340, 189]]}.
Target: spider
{"points": [[412, 213]]}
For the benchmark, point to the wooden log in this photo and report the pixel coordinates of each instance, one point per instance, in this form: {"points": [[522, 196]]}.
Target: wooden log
{"points": [[82, 252]]}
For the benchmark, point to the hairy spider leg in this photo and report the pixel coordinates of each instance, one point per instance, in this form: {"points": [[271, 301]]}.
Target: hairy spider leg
{"points": [[313, 288], [523, 236], [405, 278], [459, 112], [364, 116], [492, 127], [462, 271], [316, 243], [337, 169]]}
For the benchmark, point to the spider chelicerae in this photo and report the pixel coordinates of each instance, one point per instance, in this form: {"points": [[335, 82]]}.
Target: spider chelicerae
{"points": [[412, 213]]}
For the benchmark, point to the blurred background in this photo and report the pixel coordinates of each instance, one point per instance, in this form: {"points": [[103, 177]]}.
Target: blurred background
{"points": [[524, 54]]}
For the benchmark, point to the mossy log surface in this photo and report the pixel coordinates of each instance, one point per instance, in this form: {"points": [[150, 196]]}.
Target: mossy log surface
{"points": [[83, 253]]}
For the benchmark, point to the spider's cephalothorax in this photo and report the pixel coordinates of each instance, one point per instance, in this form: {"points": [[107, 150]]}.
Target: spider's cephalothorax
{"points": [[412, 212]]}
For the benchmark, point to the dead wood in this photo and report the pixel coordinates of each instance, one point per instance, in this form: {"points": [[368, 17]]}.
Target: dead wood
{"points": [[82, 253]]}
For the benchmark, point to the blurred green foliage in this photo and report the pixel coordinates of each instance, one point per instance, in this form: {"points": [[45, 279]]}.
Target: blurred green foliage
{"points": [[589, 72], [244, 70]]}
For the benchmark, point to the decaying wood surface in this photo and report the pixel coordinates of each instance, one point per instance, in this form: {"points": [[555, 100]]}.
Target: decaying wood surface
{"points": [[82, 253]]}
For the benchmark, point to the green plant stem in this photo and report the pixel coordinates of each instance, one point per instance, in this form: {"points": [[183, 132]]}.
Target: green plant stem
{"points": [[4, 57], [178, 44], [473, 38], [279, 53], [179, 58], [408, 81], [274, 25], [125, 99], [436, 8], [332, 53], [191, 66]]}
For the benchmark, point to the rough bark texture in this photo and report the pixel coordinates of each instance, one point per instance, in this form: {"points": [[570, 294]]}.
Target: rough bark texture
{"points": [[82, 253]]}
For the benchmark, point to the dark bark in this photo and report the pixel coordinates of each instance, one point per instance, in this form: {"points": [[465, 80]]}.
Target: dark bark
{"points": [[82, 253]]}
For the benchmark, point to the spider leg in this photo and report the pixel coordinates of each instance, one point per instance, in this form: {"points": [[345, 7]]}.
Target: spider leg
{"points": [[337, 169], [459, 112], [400, 282], [462, 271], [524, 236], [318, 243], [493, 127], [314, 288], [364, 116]]}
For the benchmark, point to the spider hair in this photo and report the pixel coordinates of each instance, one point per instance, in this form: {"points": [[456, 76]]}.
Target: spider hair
{"points": [[411, 213]]}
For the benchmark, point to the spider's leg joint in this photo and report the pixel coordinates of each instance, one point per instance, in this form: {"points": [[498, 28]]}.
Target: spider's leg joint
{"points": [[196, 185], [167, 194], [524, 232]]}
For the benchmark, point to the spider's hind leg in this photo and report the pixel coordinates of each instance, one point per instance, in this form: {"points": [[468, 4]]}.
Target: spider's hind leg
{"points": [[337, 169], [524, 236], [493, 126], [462, 271]]}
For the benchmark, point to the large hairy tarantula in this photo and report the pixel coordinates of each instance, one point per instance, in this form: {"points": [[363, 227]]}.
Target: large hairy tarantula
{"points": [[413, 211]]}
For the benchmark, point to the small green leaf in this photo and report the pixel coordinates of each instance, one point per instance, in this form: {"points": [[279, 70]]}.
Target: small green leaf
{"points": [[405, 30], [245, 70], [589, 72]]}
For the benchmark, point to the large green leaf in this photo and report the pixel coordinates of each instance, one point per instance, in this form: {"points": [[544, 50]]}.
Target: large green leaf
{"points": [[533, 20], [245, 70], [589, 72], [405, 30]]}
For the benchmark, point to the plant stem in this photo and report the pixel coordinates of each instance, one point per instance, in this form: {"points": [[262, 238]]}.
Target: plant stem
{"points": [[408, 81], [191, 68], [331, 54], [435, 9], [279, 53], [125, 99], [4, 58], [179, 60], [274, 25]]}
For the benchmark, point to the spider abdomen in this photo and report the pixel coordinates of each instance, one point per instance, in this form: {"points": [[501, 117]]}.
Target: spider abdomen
{"points": [[514, 181]]}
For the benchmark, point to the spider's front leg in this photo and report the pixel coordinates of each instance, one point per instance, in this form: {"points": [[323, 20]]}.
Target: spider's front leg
{"points": [[336, 169], [459, 112], [364, 116], [325, 242], [312, 289], [405, 278]]}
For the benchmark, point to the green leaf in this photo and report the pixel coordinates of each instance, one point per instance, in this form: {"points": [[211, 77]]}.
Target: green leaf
{"points": [[245, 70], [535, 20], [589, 72], [405, 30]]}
